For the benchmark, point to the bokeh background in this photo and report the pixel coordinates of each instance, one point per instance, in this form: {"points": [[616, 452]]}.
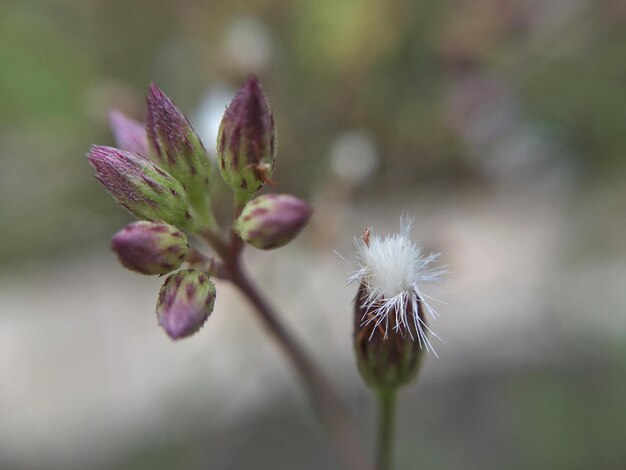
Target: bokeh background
{"points": [[500, 125]]}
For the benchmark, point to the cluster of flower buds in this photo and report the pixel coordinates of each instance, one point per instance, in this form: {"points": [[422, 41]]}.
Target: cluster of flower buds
{"points": [[246, 151], [162, 175]]}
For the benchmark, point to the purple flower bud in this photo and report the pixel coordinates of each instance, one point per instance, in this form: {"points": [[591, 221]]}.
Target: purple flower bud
{"points": [[140, 187], [272, 220], [185, 302], [130, 135], [150, 247], [246, 142], [177, 147]]}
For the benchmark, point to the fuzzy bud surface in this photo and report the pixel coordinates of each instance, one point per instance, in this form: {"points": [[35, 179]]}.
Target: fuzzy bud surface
{"points": [[272, 220], [150, 247], [246, 142], [177, 147], [185, 302], [142, 188]]}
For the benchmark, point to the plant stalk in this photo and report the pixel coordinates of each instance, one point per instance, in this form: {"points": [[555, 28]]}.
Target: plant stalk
{"points": [[332, 412], [386, 418]]}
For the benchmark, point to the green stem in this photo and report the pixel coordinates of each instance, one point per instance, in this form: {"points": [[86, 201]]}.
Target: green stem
{"points": [[204, 210], [241, 199], [386, 410]]}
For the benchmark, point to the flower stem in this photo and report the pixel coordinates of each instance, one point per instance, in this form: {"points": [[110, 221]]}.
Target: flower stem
{"points": [[331, 410], [328, 406], [386, 410]]}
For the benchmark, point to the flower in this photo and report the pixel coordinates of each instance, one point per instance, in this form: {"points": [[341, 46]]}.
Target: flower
{"points": [[391, 272]]}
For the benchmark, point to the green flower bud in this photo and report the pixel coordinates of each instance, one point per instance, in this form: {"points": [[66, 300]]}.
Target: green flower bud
{"points": [[185, 302], [246, 142], [272, 220], [142, 188], [387, 357], [177, 147], [150, 247]]}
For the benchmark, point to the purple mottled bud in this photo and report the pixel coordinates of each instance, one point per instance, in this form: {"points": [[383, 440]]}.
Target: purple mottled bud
{"points": [[177, 147], [141, 187], [129, 134], [246, 142], [272, 220], [185, 302], [150, 247]]}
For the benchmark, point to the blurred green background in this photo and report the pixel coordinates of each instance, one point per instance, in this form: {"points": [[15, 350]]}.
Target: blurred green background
{"points": [[499, 124]]}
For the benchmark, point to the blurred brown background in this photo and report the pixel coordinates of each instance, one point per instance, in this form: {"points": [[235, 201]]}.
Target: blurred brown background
{"points": [[500, 125]]}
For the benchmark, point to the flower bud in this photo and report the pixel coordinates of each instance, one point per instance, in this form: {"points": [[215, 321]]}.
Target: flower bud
{"points": [[387, 357], [130, 135], [142, 188], [246, 142], [185, 302], [177, 147], [150, 247], [272, 220]]}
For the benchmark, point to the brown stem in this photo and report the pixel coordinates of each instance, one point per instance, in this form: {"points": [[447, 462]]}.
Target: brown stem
{"points": [[219, 245], [331, 410]]}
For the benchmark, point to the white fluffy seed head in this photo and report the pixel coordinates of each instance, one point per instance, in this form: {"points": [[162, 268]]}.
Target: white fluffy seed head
{"points": [[392, 270]]}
